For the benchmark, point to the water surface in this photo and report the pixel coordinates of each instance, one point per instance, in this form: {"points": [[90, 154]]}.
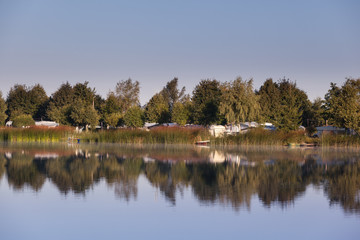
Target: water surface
{"points": [[178, 192]]}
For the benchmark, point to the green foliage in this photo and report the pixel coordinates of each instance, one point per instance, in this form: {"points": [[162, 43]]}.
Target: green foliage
{"points": [[270, 101], [284, 105], [127, 94], [206, 99], [342, 105], [239, 102], [83, 114], [114, 119], [23, 120], [134, 117], [172, 94], [180, 114], [27, 100], [3, 115], [157, 110], [290, 114]]}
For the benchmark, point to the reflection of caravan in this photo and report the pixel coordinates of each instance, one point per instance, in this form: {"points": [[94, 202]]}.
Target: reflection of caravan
{"points": [[217, 157]]}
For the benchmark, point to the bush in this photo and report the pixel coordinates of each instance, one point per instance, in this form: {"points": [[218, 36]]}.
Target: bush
{"points": [[23, 120]]}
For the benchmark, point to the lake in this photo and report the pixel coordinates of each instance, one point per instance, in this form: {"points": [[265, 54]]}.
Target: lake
{"points": [[108, 191]]}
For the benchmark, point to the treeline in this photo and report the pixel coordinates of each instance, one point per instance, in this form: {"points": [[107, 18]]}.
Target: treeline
{"points": [[279, 102]]}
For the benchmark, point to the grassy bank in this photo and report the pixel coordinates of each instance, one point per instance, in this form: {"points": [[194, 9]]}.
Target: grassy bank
{"points": [[165, 135], [35, 134], [263, 137], [172, 135]]}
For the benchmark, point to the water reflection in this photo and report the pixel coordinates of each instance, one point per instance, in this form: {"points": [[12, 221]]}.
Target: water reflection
{"points": [[226, 176]]}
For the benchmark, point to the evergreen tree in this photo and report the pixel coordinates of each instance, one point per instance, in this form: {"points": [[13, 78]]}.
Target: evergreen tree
{"points": [[270, 101], [206, 99]]}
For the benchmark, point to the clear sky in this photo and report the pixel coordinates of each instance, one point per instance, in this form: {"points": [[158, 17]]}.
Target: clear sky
{"points": [[312, 42]]}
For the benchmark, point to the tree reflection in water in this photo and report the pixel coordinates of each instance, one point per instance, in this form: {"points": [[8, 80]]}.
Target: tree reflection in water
{"points": [[233, 180]]}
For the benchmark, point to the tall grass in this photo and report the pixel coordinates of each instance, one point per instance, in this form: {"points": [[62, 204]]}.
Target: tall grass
{"points": [[339, 140], [165, 135], [262, 137], [35, 134]]}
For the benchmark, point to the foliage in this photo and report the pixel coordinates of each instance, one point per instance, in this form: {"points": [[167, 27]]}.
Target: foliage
{"points": [[134, 117], [180, 114], [172, 94], [114, 119], [206, 99], [239, 102], [27, 100], [23, 120], [343, 105], [127, 94], [3, 115], [270, 101], [83, 115], [156, 109]]}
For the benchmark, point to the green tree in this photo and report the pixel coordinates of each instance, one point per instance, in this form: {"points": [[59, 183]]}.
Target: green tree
{"points": [[172, 94], [180, 114], [127, 94], [239, 102], [206, 99], [38, 101], [343, 105], [60, 104], [134, 117], [3, 115], [114, 119], [291, 113], [270, 101], [27, 100], [157, 110], [82, 114]]}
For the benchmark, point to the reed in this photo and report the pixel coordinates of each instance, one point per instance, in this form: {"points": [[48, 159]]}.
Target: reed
{"points": [[35, 134], [262, 137], [164, 135]]}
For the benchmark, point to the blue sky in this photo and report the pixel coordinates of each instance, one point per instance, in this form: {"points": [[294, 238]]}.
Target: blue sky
{"points": [[50, 42]]}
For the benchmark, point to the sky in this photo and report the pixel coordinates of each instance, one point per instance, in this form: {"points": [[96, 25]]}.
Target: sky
{"points": [[312, 42]]}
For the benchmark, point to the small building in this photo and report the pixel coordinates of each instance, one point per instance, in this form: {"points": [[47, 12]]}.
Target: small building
{"points": [[217, 130], [329, 130]]}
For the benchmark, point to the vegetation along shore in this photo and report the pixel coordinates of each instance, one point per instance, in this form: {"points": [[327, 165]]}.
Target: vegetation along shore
{"points": [[120, 118]]}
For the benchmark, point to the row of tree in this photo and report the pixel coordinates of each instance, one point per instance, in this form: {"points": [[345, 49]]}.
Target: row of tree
{"points": [[281, 103]]}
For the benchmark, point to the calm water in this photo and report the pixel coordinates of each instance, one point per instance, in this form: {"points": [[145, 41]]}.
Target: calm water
{"points": [[178, 192]]}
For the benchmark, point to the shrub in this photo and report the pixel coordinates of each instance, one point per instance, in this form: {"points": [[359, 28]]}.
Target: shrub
{"points": [[23, 120]]}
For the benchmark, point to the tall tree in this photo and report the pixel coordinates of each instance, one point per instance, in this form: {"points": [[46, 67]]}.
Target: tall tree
{"points": [[206, 99], [172, 94], [3, 115], [239, 102], [27, 100], [157, 110], [134, 117], [38, 102], [290, 114], [270, 101], [343, 105], [127, 94], [60, 104]]}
